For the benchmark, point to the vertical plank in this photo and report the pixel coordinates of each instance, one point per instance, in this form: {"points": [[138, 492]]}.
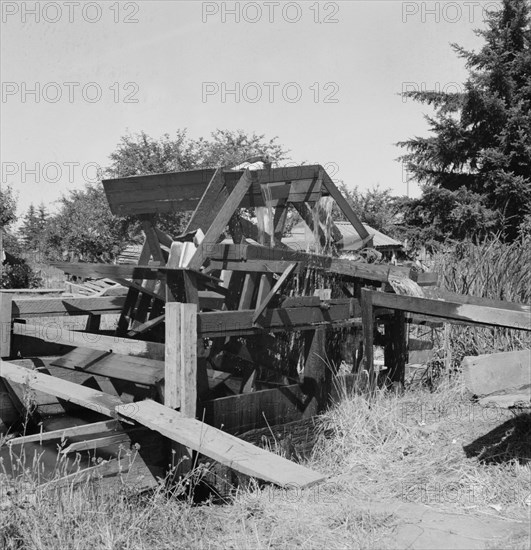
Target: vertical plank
{"points": [[180, 372], [6, 303], [316, 372], [368, 334], [180, 379], [395, 351]]}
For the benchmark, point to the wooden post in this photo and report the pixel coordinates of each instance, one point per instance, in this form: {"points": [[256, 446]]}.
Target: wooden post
{"points": [[368, 335], [316, 372], [5, 324], [180, 380], [180, 372], [395, 352]]}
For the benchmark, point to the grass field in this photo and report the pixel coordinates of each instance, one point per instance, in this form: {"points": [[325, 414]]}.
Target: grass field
{"points": [[386, 458]]}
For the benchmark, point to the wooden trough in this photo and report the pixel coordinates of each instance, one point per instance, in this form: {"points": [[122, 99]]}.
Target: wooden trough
{"points": [[214, 338]]}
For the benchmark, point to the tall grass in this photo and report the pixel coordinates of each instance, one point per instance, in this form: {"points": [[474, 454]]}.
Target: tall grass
{"points": [[494, 270]]}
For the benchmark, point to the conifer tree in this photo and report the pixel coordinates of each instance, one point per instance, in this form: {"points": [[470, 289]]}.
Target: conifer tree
{"points": [[475, 168]]}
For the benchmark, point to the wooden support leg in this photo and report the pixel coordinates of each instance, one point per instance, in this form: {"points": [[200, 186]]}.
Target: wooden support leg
{"points": [[6, 301], [317, 375], [180, 377], [367, 317], [395, 351]]}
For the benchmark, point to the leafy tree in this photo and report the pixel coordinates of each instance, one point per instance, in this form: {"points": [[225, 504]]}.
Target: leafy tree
{"points": [[8, 207], [376, 207], [85, 227], [15, 272], [478, 159]]}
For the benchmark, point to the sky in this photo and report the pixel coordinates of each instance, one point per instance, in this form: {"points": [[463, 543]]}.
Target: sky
{"points": [[322, 76]]}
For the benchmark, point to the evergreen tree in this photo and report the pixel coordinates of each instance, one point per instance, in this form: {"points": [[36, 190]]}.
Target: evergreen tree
{"points": [[476, 167]]}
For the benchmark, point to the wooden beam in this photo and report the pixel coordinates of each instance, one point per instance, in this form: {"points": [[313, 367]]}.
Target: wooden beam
{"points": [[182, 191], [93, 444], [222, 219], [278, 285], [485, 374], [6, 306], [67, 433], [206, 210], [472, 314], [180, 387], [138, 370], [94, 400], [345, 207], [53, 332], [239, 323], [220, 446], [25, 308]]}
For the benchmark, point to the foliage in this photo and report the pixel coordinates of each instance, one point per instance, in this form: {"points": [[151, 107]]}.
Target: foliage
{"points": [[19, 275], [34, 227], [85, 228], [376, 207], [480, 150], [8, 207]]}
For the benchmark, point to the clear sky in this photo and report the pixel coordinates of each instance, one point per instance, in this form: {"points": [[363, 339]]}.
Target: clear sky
{"points": [[99, 70]]}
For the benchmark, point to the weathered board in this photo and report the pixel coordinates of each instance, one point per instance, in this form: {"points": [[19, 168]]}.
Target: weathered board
{"points": [[220, 446], [485, 374]]}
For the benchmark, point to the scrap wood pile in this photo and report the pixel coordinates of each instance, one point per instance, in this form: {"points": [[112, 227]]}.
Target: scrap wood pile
{"points": [[224, 329]]}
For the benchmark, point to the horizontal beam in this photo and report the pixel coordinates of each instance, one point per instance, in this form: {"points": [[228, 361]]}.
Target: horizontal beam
{"points": [[470, 313], [181, 191], [55, 333], [240, 322], [25, 308], [66, 433]]}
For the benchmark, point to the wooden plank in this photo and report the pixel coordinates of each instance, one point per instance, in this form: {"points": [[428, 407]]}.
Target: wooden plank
{"points": [[205, 212], [181, 191], [180, 387], [395, 350], [473, 314], [345, 207], [25, 308], [122, 367], [6, 306], [226, 323], [222, 219], [97, 443], [145, 327], [75, 393], [368, 335], [279, 220], [441, 294], [56, 334], [278, 285], [220, 446], [485, 374], [67, 433]]}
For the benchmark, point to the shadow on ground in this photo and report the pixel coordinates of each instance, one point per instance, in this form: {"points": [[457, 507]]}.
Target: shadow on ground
{"points": [[507, 442]]}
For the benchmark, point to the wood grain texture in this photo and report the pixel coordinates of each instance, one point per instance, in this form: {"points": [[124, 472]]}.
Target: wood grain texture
{"points": [[6, 306], [57, 334], [74, 393], [220, 446], [495, 372]]}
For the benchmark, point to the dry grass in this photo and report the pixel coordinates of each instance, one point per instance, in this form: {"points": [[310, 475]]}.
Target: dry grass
{"points": [[394, 448]]}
